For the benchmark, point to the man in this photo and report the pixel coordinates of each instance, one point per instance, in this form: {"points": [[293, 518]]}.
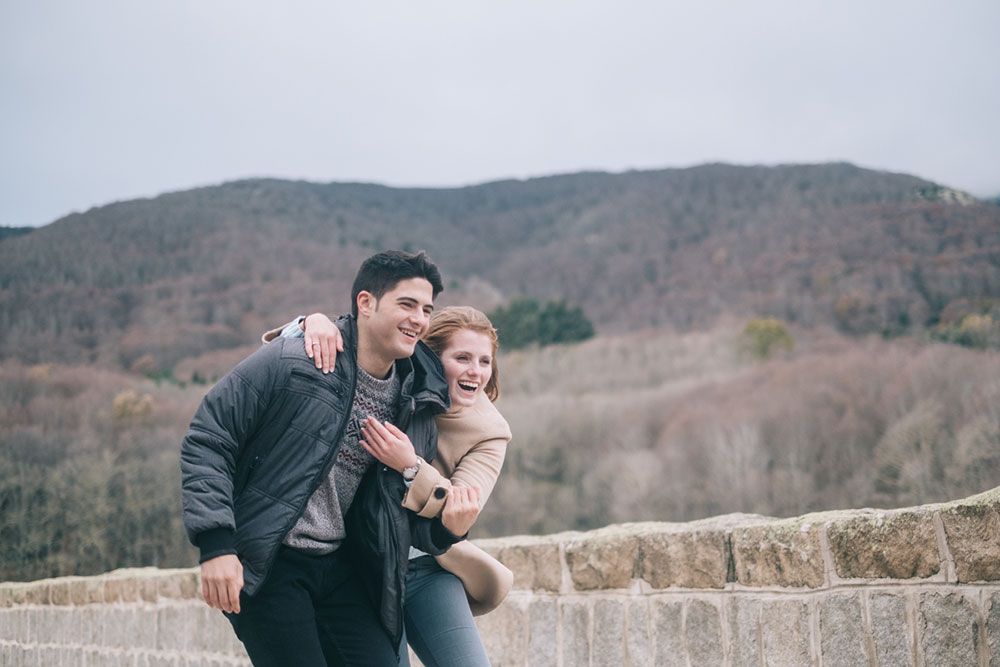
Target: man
{"points": [[272, 461]]}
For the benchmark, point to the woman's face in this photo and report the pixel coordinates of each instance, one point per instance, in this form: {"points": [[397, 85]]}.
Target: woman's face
{"points": [[468, 366]]}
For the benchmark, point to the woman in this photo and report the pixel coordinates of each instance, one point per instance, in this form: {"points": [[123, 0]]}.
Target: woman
{"points": [[443, 594]]}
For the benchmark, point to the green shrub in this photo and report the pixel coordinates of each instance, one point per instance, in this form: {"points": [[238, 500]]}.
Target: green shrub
{"points": [[523, 322], [762, 336]]}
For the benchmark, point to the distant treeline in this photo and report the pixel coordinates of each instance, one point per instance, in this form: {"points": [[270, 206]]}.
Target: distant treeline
{"points": [[645, 426], [8, 232]]}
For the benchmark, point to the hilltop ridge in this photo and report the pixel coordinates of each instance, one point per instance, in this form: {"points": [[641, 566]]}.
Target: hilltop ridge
{"points": [[203, 269]]}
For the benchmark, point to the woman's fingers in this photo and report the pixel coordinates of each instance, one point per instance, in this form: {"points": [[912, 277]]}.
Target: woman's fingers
{"points": [[323, 339], [309, 340]]}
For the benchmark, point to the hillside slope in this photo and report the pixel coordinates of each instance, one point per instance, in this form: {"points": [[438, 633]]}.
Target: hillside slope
{"points": [[156, 281]]}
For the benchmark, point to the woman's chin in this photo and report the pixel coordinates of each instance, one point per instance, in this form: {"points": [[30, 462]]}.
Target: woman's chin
{"points": [[461, 399]]}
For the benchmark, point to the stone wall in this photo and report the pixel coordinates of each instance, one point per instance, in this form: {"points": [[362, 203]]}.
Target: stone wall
{"points": [[917, 586]]}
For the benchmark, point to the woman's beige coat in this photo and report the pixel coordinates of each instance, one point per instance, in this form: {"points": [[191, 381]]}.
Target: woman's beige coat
{"points": [[472, 443]]}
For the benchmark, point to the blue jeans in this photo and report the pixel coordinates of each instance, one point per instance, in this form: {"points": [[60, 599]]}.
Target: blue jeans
{"points": [[439, 625]]}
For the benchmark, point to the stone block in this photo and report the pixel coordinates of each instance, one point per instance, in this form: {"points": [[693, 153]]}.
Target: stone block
{"points": [[743, 617], [30, 593], [60, 591], [173, 632], [36, 592], [783, 553], [784, 626], [92, 620], [7, 595], [543, 624], [575, 632], [86, 590], [121, 589], [703, 631], [685, 558], [638, 643], [8, 624], [21, 624], [993, 628], [55, 625], [536, 565], [609, 632], [972, 531], [142, 622], [210, 631], [891, 633], [121, 627], [180, 585], [602, 559], [949, 629], [505, 633], [148, 586], [668, 633], [842, 631], [875, 545]]}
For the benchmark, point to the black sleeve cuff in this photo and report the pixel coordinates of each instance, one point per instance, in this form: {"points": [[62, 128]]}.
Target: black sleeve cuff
{"points": [[215, 542], [442, 537]]}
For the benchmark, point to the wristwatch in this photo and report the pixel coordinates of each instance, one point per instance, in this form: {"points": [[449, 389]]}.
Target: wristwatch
{"points": [[411, 472]]}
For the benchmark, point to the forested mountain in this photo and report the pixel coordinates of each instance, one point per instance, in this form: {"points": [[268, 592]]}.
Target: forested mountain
{"points": [[113, 321], [156, 281]]}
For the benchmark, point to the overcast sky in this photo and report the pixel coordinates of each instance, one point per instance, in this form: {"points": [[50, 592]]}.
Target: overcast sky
{"points": [[104, 100]]}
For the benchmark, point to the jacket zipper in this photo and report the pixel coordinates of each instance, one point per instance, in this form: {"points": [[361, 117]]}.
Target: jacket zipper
{"points": [[318, 479]]}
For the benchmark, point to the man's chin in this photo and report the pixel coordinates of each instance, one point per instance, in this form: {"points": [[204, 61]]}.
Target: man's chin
{"points": [[406, 351]]}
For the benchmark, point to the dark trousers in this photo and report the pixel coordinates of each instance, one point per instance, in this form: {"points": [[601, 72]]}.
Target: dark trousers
{"points": [[312, 612]]}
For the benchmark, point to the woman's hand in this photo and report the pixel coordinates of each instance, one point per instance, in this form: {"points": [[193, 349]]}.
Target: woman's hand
{"points": [[323, 341], [388, 444], [461, 509]]}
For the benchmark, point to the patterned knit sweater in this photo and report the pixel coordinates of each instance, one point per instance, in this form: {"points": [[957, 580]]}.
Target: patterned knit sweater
{"points": [[320, 529]]}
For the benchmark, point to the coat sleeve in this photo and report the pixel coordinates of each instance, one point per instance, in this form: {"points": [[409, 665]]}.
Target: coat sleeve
{"points": [[211, 450], [290, 330], [479, 467], [427, 493]]}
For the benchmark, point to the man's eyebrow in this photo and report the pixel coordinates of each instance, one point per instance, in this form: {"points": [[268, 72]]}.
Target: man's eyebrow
{"points": [[413, 300]]}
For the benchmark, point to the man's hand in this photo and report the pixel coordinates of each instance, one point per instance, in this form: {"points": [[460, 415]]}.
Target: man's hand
{"points": [[388, 444], [222, 581], [461, 509], [323, 341]]}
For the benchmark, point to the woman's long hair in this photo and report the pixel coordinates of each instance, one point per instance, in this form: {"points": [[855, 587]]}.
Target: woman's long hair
{"points": [[446, 322]]}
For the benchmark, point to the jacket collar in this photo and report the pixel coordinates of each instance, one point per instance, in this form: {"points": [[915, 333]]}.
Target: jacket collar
{"points": [[421, 375]]}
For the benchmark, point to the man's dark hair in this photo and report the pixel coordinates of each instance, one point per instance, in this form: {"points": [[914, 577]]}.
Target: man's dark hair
{"points": [[382, 272]]}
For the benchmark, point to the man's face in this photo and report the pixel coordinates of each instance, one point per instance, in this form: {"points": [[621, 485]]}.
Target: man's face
{"points": [[397, 321]]}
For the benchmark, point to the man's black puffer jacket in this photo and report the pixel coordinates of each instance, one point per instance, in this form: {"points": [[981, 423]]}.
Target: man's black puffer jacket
{"points": [[268, 433], [379, 529]]}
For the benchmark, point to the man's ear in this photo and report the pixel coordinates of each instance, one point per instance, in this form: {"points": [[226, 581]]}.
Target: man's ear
{"points": [[366, 303]]}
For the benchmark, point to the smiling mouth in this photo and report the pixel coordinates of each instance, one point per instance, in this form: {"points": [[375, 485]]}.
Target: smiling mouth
{"points": [[468, 386], [409, 333]]}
